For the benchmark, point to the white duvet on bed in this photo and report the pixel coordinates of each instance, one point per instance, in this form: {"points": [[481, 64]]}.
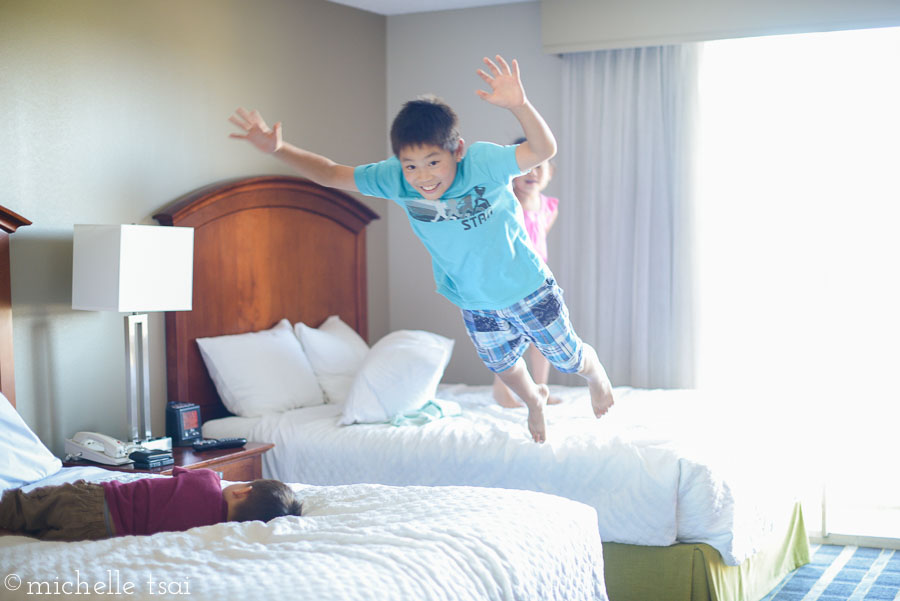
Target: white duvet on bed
{"points": [[662, 467], [352, 542]]}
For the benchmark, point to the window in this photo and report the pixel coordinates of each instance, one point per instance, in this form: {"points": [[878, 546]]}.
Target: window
{"points": [[799, 254]]}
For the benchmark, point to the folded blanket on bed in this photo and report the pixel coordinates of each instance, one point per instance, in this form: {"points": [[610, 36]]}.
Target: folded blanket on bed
{"points": [[430, 411]]}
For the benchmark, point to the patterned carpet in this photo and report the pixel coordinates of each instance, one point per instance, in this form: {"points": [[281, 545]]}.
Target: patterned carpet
{"points": [[839, 573]]}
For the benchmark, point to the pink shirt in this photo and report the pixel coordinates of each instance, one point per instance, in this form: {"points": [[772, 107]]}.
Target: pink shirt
{"points": [[189, 498], [536, 224]]}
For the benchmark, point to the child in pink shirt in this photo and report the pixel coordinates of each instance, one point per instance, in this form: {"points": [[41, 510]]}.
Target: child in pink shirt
{"points": [[190, 498], [540, 214]]}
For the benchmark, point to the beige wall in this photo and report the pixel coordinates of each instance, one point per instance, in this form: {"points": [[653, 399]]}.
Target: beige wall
{"points": [[112, 109], [439, 53]]}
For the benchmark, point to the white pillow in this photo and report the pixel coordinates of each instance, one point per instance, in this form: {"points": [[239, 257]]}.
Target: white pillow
{"points": [[23, 457], [401, 373], [259, 373], [336, 353]]}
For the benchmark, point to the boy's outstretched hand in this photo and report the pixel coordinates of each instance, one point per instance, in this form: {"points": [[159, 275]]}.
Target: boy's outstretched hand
{"points": [[506, 86], [256, 131]]}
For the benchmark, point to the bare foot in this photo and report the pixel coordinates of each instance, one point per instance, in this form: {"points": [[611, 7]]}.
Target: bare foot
{"points": [[554, 400], [504, 396], [601, 396], [536, 424]]}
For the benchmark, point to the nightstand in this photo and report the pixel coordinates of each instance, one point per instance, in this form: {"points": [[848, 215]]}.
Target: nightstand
{"points": [[237, 465]]}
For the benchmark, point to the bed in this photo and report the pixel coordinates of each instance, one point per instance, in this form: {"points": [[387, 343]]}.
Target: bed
{"points": [[358, 541], [681, 513]]}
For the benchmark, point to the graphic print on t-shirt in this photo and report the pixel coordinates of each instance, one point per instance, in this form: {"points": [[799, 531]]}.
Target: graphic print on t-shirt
{"points": [[472, 211]]}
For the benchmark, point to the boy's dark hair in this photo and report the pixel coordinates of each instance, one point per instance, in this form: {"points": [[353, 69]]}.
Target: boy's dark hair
{"points": [[425, 120], [267, 499]]}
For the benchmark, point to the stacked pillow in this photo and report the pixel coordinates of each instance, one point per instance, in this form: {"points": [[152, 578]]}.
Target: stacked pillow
{"points": [[280, 369], [336, 353], [264, 372], [400, 373]]}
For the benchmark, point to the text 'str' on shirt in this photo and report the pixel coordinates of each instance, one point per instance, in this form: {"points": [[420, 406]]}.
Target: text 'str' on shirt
{"points": [[480, 253], [188, 499]]}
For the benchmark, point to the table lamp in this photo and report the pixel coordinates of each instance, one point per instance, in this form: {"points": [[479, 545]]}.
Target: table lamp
{"points": [[134, 269]]}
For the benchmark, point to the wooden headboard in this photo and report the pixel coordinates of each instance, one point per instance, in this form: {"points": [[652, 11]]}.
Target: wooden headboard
{"points": [[265, 248], [9, 223]]}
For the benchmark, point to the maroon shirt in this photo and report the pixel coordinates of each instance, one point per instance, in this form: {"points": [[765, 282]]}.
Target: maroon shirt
{"points": [[189, 498]]}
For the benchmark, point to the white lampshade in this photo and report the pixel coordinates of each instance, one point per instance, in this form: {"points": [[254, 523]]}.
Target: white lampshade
{"points": [[132, 268]]}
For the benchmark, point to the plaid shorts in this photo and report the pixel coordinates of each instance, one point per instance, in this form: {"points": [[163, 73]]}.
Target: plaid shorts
{"points": [[541, 318]]}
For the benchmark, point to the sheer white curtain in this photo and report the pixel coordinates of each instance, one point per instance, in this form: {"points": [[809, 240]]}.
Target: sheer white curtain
{"points": [[622, 247]]}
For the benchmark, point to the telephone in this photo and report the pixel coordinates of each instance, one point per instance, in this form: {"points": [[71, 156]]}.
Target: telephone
{"points": [[98, 447]]}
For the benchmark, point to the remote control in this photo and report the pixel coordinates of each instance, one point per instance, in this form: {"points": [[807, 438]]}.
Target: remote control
{"points": [[218, 443]]}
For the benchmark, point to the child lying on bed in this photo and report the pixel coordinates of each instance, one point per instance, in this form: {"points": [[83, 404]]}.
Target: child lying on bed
{"points": [[91, 511], [461, 205]]}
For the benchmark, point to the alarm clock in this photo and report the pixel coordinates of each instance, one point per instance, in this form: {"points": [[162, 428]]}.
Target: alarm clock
{"points": [[183, 423]]}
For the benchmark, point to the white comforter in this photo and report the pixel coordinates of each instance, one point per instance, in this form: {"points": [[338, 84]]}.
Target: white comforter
{"points": [[663, 467], [353, 542]]}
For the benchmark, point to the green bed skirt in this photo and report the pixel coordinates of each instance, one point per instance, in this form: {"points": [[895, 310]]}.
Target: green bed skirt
{"points": [[696, 572]]}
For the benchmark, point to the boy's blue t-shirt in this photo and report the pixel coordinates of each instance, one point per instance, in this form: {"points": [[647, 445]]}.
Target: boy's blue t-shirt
{"points": [[480, 252]]}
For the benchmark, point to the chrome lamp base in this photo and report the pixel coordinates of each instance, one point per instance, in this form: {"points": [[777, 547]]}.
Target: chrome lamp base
{"points": [[137, 375]]}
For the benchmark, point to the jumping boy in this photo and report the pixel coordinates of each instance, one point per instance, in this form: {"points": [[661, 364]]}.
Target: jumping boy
{"points": [[460, 204]]}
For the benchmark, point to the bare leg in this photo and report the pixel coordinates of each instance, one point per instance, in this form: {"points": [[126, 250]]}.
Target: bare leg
{"points": [[598, 382], [533, 395], [540, 367], [503, 395]]}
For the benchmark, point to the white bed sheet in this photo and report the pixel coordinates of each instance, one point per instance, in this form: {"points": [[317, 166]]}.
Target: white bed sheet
{"points": [[352, 542], [663, 466]]}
